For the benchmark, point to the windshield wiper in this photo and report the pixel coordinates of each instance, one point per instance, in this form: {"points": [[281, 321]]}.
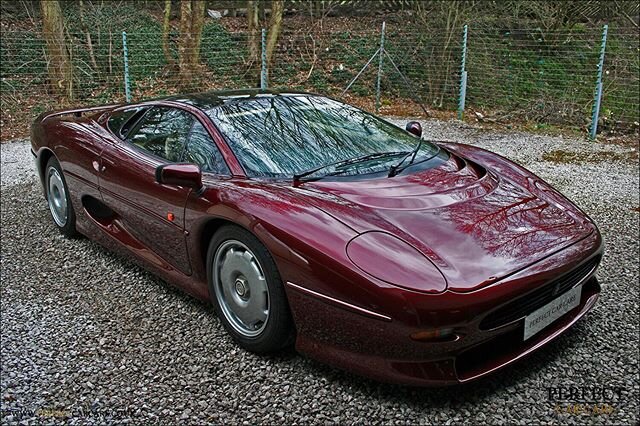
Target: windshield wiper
{"points": [[298, 176], [395, 169]]}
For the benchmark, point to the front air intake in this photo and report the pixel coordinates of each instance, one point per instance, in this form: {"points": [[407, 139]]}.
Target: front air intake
{"points": [[525, 305]]}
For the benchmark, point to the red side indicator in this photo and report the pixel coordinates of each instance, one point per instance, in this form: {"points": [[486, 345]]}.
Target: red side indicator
{"points": [[170, 216]]}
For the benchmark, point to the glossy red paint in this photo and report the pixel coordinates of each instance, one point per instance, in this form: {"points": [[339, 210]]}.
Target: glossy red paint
{"points": [[478, 230]]}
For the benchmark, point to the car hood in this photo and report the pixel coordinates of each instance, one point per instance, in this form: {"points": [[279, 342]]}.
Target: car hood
{"points": [[477, 219]]}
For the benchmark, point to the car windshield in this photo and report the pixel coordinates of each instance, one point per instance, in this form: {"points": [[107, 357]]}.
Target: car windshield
{"points": [[281, 136]]}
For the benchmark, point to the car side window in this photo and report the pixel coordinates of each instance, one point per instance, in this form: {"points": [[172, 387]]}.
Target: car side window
{"points": [[203, 151], [163, 132], [120, 122]]}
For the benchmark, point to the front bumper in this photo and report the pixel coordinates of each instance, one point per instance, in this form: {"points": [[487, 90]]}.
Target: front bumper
{"points": [[384, 351], [508, 347]]}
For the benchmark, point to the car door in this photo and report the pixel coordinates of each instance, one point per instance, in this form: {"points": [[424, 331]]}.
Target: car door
{"points": [[202, 150], [151, 213]]}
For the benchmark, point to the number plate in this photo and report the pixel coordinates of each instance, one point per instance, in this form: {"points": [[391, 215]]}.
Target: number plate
{"points": [[539, 319]]}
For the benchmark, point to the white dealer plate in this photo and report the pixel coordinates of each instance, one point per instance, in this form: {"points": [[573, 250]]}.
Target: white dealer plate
{"points": [[539, 319]]}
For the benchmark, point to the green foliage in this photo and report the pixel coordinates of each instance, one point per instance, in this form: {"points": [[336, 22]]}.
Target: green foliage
{"points": [[319, 82], [348, 55], [223, 53], [106, 95], [524, 73], [105, 25], [39, 109], [104, 17], [21, 54]]}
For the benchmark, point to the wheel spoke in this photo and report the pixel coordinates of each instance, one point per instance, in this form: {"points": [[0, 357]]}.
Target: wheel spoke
{"points": [[256, 309]]}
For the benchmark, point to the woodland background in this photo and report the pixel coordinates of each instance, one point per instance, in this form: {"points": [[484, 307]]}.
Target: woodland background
{"points": [[529, 63]]}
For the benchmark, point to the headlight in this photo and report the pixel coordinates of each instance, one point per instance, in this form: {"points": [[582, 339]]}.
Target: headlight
{"points": [[394, 261]]}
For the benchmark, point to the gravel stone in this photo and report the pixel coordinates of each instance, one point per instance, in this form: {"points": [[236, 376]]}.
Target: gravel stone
{"points": [[87, 337]]}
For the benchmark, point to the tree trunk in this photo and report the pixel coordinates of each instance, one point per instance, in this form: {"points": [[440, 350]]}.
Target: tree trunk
{"points": [[262, 11], [110, 52], [92, 56], [197, 22], [165, 32], [191, 23], [185, 43], [277, 8], [60, 68], [253, 25]]}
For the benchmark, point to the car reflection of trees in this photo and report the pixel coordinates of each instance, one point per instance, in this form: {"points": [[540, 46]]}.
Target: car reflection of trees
{"points": [[294, 133], [516, 221]]}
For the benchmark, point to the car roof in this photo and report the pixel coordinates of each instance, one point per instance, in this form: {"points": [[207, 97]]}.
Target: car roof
{"points": [[207, 100]]}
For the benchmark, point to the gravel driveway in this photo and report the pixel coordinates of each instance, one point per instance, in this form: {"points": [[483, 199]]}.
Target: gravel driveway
{"points": [[88, 336]]}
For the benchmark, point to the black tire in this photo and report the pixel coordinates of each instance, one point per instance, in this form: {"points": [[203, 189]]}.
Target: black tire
{"points": [[68, 228], [278, 330]]}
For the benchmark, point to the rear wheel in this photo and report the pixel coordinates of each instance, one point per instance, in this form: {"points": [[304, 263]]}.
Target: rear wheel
{"points": [[60, 206], [247, 291]]}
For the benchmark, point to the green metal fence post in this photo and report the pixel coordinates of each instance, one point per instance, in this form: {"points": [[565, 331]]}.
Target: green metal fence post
{"points": [[380, 67], [263, 68], [597, 98], [463, 75], [125, 52]]}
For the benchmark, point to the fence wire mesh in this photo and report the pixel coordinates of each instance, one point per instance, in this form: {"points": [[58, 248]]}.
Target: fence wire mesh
{"points": [[516, 75], [546, 78]]}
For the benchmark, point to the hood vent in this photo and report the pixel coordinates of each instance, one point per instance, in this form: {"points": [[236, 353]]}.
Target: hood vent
{"points": [[462, 163]]}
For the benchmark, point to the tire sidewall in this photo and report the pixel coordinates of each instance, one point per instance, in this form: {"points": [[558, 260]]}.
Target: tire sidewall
{"points": [[279, 331]]}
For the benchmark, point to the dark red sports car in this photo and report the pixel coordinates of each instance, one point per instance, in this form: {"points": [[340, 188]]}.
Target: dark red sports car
{"points": [[307, 221]]}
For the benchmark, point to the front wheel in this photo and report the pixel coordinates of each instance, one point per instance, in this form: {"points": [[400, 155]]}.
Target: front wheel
{"points": [[247, 292], [58, 199]]}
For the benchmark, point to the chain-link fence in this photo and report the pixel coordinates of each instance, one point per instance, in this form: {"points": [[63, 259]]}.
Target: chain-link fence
{"points": [[551, 78], [547, 78]]}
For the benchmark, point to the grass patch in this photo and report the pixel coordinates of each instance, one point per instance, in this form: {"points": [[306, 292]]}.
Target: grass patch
{"points": [[567, 157]]}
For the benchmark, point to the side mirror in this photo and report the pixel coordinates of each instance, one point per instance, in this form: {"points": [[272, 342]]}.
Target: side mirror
{"points": [[187, 175], [414, 128]]}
